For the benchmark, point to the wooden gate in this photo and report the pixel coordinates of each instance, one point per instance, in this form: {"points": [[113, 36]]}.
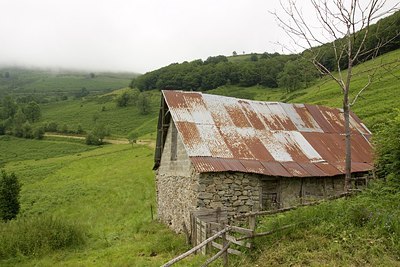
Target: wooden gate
{"points": [[206, 222]]}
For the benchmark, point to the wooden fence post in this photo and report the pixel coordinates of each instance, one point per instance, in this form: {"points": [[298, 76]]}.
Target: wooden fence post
{"points": [[252, 226], [225, 254]]}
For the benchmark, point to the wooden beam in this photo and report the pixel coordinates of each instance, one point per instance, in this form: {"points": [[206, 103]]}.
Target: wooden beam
{"points": [[216, 256], [270, 212], [194, 249], [233, 240], [230, 250], [267, 233]]}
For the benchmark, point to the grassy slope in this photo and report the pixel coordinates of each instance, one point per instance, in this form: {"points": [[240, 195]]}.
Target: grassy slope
{"points": [[46, 82], [109, 190], [376, 103], [361, 231], [120, 120]]}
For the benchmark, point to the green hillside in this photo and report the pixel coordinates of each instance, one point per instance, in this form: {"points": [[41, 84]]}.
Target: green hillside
{"points": [[109, 191], [51, 85], [120, 120], [375, 105]]}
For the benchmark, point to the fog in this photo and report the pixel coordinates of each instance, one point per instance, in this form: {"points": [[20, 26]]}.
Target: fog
{"points": [[131, 35]]}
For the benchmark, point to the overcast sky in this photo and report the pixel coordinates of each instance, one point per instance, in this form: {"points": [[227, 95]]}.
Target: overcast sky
{"points": [[132, 35]]}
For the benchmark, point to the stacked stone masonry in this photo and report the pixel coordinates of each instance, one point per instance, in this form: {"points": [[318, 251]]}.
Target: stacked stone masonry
{"points": [[181, 190]]}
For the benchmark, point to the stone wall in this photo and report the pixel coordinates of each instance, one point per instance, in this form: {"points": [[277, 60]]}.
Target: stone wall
{"points": [[181, 190], [233, 192], [176, 197], [176, 185], [181, 164]]}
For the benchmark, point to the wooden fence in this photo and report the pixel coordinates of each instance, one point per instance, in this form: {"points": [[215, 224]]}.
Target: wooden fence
{"points": [[227, 238]]}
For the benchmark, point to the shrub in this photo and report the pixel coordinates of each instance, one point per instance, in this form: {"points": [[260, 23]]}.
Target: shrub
{"points": [[38, 132], [27, 130], [2, 128], [9, 196], [38, 235], [96, 136], [64, 129], [51, 127], [79, 130], [91, 139]]}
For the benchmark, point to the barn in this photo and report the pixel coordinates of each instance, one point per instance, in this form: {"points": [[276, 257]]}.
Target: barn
{"points": [[243, 155]]}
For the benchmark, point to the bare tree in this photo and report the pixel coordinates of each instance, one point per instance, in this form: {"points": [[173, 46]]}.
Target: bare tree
{"points": [[343, 26]]}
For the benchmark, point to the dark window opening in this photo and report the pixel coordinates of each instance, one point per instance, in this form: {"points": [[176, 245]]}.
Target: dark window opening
{"points": [[174, 141]]}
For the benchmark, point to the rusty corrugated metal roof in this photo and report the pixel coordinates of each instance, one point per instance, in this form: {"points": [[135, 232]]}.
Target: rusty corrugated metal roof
{"points": [[271, 138]]}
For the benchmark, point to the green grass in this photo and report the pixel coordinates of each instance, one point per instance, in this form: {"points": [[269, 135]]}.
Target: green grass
{"points": [[17, 149], [49, 83], [376, 103], [109, 191], [120, 120], [361, 231], [38, 235]]}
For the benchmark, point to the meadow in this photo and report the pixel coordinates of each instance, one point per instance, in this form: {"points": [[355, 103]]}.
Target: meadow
{"points": [[120, 120], [51, 84], [108, 191]]}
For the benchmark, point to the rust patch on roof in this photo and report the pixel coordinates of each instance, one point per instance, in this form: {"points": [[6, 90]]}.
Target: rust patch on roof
{"points": [[276, 169], [252, 115], [270, 138], [320, 119], [238, 117], [295, 169]]}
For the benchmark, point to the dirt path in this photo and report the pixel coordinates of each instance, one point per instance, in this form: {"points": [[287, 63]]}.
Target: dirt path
{"points": [[116, 141]]}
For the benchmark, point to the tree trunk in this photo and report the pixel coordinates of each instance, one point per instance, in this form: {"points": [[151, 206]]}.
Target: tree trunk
{"points": [[346, 111]]}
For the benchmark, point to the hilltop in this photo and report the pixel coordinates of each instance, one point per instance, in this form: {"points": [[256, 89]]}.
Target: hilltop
{"points": [[48, 85]]}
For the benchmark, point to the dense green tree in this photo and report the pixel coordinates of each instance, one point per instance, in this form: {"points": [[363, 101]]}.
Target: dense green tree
{"points": [[79, 129], [3, 128], [19, 117], [27, 130], [38, 132], [249, 74], [51, 126], [290, 78], [97, 135], [9, 107], [143, 104], [123, 99], [9, 196], [33, 112], [253, 57], [64, 128], [82, 93]]}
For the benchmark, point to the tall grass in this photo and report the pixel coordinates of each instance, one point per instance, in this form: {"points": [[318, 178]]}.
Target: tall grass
{"points": [[38, 235], [361, 230]]}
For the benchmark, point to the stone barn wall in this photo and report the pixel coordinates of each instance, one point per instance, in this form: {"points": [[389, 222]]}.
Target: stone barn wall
{"points": [[234, 192], [181, 190], [176, 184]]}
